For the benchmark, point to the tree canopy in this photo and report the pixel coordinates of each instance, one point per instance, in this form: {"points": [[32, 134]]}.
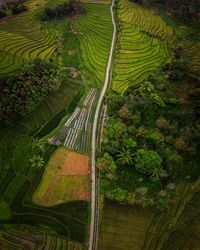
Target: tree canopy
{"points": [[22, 92], [147, 161]]}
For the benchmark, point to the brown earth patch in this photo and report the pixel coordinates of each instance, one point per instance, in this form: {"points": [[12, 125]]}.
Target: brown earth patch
{"points": [[75, 164]]}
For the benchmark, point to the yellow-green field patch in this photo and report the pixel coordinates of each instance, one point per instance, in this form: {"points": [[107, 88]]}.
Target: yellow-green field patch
{"points": [[66, 178]]}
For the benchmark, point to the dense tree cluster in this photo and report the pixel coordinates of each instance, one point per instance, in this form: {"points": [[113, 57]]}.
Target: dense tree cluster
{"points": [[2, 14], [15, 7], [151, 141], [22, 92], [18, 8], [58, 12]]}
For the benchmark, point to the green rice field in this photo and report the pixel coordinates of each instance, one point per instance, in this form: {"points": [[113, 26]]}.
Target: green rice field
{"points": [[23, 38], [95, 33], [138, 53], [146, 20], [192, 52]]}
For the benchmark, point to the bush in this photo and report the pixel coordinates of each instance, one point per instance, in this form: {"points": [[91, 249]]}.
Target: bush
{"points": [[18, 8], [2, 14], [148, 162], [58, 12], [117, 194]]}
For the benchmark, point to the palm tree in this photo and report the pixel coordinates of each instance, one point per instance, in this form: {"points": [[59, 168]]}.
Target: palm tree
{"points": [[40, 144], [156, 173], [125, 157], [37, 162]]}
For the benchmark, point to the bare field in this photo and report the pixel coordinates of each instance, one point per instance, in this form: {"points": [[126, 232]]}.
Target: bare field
{"points": [[66, 178], [75, 164]]}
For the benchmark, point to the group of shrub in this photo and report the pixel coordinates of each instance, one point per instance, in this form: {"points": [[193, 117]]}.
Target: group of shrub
{"points": [[58, 12], [23, 91], [15, 8]]}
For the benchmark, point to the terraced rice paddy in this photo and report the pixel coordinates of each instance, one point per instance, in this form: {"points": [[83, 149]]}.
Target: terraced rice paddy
{"points": [[52, 106], [76, 131], [27, 239], [135, 228], [95, 33], [175, 228], [145, 19], [23, 38], [68, 219], [138, 55], [97, 1], [192, 52], [66, 178]]}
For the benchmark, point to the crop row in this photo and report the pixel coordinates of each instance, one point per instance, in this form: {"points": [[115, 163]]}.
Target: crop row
{"points": [[145, 19], [138, 55], [8, 62], [95, 30], [192, 52], [167, 226], [76, 131], [18, 239]]}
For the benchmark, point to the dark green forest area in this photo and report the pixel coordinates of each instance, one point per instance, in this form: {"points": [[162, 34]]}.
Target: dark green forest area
{"points": [[151, 141]]}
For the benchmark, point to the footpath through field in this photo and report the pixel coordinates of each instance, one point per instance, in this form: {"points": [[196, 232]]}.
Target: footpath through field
{"points": [[94, 188]]}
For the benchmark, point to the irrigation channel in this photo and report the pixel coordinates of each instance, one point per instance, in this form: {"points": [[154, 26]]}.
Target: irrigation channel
{"points": [[94, 192]]}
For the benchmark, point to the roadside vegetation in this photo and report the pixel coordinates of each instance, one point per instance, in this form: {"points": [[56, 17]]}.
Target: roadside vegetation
{"points": [[152, 133], [149, 160], [151, 136]]}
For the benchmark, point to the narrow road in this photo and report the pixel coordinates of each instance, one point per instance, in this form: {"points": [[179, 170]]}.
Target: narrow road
{"points": [[94, 189]]}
